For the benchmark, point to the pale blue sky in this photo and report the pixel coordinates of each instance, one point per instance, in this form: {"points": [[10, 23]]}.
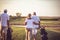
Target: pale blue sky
{"points": [[41, 7]]}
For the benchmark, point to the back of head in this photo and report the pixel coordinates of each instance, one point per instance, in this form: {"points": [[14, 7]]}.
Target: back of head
{"points": [[29, 15], [34, 13], [5, 11]]}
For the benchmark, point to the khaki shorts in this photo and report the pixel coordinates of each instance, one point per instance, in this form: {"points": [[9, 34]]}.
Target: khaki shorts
{"points": [[4, 30]]}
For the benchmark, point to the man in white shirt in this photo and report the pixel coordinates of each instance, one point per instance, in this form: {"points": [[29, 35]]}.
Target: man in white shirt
{"points": [[4, 24], [36, 20]]}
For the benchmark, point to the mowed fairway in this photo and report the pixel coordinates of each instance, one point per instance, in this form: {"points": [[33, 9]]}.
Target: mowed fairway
{"points": [[19, 33]]}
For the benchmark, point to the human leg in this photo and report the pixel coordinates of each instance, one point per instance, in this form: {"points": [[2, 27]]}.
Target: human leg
{"points": [[34, 32], [4, 33], [30, 34], [26, 34]]}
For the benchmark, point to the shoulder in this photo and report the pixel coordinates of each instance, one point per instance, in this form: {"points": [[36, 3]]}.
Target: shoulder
{"points": [[33, 16], [7, 15], [26, 20], [37, 16], [2, 14]]}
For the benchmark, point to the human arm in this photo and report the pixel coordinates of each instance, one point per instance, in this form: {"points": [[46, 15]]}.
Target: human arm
{"points": [[25, 22], [35, 23], [39, 22], [8, 21]]}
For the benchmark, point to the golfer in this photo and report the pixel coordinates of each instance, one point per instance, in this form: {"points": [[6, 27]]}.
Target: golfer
{"points": [[4, 24], [37, 21]]}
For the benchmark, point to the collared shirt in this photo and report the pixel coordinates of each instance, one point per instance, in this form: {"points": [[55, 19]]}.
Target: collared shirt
{"points": [[36, 20], [4, 18]]}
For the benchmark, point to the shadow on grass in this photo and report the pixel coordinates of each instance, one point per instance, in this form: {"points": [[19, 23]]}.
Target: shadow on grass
{"points": [[53, 35]]}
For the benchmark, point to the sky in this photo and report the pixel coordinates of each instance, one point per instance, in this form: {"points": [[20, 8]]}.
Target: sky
{"points": [[41, 7]]}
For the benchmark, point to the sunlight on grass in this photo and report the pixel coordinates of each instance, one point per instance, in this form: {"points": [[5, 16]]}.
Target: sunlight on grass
{"points": [[19, 34]]}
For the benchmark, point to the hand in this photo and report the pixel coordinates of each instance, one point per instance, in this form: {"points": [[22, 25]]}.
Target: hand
{"points": [[35, 23], [39, 27]]}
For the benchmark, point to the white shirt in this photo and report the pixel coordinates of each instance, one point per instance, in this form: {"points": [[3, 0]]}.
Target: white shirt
{"points": [[29, 23], [4, 18], [36, 19]]}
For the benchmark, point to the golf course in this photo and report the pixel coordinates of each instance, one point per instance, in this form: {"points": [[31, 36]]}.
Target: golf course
{"points": [[19, 33], [52, 28]]}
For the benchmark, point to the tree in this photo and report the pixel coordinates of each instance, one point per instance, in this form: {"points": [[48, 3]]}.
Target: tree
{"points": [[18, 14]]}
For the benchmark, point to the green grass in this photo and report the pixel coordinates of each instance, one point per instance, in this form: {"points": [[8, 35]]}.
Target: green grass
{"points": [[45, 22], [19, 33], [17, 21]]}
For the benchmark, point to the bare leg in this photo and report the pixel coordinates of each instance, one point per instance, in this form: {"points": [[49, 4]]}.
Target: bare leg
{"points": [[34, 37], [30, 34], [5, 37], [4, 34], [0, 35], [26, 35], [35, 34]]}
